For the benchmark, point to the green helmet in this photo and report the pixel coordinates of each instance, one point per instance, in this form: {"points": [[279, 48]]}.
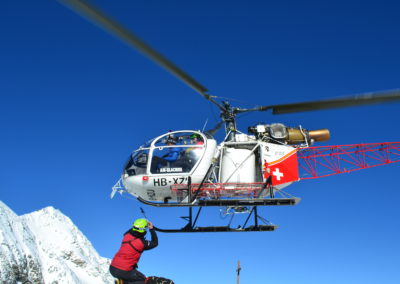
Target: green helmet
{"points": [[195, 135], [140, 225]]}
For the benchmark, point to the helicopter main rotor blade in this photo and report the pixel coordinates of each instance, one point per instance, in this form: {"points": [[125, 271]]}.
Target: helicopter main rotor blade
{"points": [[362, 99], [104, 21], [215, 129]]}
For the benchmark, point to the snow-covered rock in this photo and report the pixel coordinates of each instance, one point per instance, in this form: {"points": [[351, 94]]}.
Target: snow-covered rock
{"points": [[46, 247]]}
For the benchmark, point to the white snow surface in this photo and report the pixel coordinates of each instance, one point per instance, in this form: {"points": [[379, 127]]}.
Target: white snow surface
{"points": [[46, 247]]}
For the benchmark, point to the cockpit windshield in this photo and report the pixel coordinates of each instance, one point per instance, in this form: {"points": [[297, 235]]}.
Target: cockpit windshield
{"points": [[177, 152]]}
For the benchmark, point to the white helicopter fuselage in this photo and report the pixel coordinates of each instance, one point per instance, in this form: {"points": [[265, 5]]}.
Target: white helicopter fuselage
{"points": [[245, 161]]}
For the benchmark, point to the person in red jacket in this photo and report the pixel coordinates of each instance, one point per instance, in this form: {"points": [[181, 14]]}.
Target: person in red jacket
{"points": [[124, 264]]}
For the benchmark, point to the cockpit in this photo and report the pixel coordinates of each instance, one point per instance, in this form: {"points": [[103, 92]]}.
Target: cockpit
{"points": [[171, 153]]}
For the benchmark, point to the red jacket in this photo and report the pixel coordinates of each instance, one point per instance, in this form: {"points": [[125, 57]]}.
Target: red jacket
{"points": [[129, 253], [133, 244]]}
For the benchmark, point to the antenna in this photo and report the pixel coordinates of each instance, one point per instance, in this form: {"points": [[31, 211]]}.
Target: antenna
{"points": [[205, 124], [238, 273]]}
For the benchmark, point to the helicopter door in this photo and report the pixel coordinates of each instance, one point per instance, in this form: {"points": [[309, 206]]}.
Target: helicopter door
{"points": [[176, 152]]}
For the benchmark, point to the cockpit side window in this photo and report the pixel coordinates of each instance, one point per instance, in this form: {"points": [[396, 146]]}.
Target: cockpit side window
{"points": [[137, 164], [177, 153]]}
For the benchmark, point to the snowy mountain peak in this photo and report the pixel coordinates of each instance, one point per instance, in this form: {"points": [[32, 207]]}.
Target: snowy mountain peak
{"points": [[46, 247], [5, 210]]}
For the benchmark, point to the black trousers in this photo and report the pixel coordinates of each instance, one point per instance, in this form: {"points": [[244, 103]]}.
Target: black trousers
{"points": [[133, 276]]}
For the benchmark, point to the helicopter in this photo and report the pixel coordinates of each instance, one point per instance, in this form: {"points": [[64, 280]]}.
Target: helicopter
{"points": [[189, 168]]}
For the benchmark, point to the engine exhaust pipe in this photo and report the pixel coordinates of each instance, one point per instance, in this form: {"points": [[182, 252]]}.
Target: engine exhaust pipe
{"points": [[320, 135]]}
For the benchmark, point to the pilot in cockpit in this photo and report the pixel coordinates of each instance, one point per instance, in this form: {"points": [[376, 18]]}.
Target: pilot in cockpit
{"points": [[173, 152], [168, 158]]}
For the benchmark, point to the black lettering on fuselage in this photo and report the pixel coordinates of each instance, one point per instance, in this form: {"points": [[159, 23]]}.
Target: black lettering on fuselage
{"points": [[178, 180], [160, 182]]}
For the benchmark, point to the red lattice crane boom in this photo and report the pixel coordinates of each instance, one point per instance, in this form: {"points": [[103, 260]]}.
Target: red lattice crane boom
{"points": [[322, 161]]}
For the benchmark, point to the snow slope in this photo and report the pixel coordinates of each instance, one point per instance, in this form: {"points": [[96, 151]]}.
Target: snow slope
{"points": [[46, 247]]}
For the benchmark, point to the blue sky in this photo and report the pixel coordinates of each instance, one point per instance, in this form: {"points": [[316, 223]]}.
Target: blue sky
{"points": [[75, 101]]}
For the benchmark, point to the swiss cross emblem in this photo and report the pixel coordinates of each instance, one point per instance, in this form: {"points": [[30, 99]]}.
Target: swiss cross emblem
{"points": [[282, 170], [277, 174]]}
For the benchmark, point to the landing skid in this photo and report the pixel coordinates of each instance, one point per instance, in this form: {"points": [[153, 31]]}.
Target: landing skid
{"points": [[192, 228], [259, 228], [247, 204]]}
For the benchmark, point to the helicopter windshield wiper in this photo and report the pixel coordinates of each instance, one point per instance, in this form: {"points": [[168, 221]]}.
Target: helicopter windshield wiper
{"points": [[110, 25], [356, 100]]}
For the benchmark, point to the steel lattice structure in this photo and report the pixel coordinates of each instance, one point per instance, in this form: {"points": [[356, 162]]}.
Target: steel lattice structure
{"points": [[316, 162]]}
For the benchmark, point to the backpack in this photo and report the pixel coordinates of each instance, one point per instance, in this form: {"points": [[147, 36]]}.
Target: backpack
{"points": [[158, 280]]}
